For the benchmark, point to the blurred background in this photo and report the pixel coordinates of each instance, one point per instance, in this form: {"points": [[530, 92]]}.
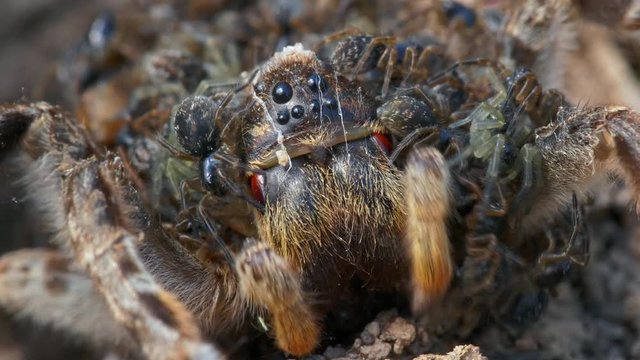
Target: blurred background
{"points": [[34, 34]]}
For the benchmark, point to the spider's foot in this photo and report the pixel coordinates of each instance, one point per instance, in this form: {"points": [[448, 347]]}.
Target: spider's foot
{"points": [[268, 280]]}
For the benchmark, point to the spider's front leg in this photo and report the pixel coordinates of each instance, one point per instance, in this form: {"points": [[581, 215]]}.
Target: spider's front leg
{"points": [[267, 280], [427, 188]]}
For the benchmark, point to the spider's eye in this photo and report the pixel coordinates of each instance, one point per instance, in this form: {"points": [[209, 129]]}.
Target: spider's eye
{"points": [[315, 106], [330, 103], [257, 187], [297, 112], [283, 117], [282, 93], [316, 83], [383, 141]]}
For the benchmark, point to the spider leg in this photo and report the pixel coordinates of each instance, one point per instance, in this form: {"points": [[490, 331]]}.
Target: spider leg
{"points": [[554, 264], [579, 146], [362, 53], [549, 105], [493, 205], [93, 209], [567, 251], [107, 250], [390, 54], [409, 62], [493, 201], [387, 42], [420, 67], [269, 281], [526, 92], [43, 285], [427, 188], [525, 89], [336, 36]]}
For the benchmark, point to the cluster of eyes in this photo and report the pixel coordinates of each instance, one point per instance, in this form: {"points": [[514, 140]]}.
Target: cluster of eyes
{"points": [[282, 93]]}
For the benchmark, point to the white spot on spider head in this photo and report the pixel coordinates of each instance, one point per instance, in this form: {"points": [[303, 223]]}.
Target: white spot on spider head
{"points": [[290, 55], [293, 50]]}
